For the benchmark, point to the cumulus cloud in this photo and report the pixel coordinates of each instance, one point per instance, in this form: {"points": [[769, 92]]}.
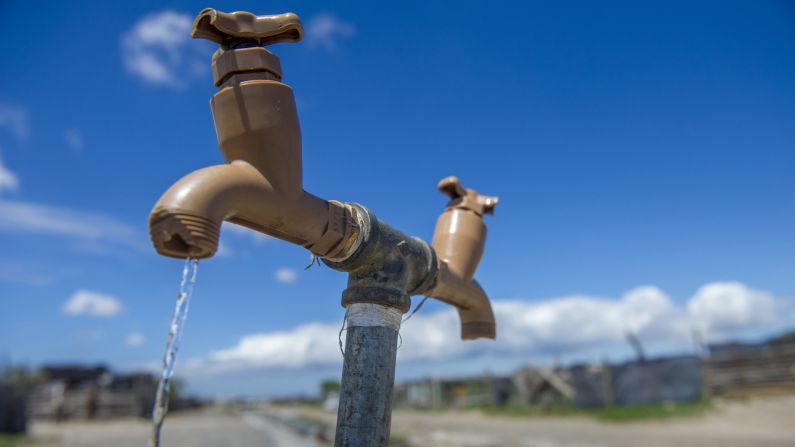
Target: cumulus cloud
{"points": [[285, 275], [325, 30], [724, 307], [94, 304], [26, 217], [74, 138], [582, 322], [314, 343], [8, 180], [573, 325], [159, 50], [135, 340], [16, 120]]}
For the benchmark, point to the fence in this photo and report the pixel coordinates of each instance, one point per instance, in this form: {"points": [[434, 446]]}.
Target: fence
{"points": [[738, 369]]}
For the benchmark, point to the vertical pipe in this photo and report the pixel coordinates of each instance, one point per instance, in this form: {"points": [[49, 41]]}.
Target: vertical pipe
{"points": [[368, 376]]}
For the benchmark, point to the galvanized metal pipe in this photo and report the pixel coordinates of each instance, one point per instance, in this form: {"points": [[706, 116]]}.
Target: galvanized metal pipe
{"points": [[368, 376]]}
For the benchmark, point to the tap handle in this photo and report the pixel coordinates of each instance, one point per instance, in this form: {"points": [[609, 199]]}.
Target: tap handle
{"points": [[461, 197], [233, 29]]}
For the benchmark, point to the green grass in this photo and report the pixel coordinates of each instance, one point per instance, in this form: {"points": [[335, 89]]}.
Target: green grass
{"points": [[612, 414], [397, 441], [14, 440]]}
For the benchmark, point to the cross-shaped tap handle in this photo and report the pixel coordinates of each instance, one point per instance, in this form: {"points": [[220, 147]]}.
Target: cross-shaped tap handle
{"points": [[232, 29], [461, 197]]}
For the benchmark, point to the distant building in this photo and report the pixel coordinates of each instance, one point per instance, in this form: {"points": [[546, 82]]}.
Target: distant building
{"points": [[454, 392], [673, 379], [77, 392], [539, 386]]}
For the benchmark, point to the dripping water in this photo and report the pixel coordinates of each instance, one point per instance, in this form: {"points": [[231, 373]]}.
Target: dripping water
{"points": [[172, 346]]}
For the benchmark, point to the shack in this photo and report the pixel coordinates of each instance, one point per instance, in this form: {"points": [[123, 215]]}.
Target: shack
{"points": [[461, 392], [78, 392], [669, 379]]}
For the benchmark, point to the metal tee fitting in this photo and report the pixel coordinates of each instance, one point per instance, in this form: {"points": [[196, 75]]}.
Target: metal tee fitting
{"points": [[386, 266]]}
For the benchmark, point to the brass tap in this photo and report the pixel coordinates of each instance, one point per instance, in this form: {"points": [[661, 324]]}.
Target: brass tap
{"points": [[260, 187]]}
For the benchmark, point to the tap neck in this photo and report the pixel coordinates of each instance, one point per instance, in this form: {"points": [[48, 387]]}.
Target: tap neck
{"points": [[256, 121], [244, 63]]}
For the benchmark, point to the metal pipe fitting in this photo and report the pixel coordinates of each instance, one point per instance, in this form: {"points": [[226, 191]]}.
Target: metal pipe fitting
{"points": [[386, 266]]}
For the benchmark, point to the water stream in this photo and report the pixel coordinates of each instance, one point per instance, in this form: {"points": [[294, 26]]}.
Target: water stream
{"points": [[172, 346]]}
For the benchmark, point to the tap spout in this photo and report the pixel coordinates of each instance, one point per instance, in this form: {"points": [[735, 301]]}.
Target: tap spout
{"points": [[459, 239], [186, 220], [472, 303]]}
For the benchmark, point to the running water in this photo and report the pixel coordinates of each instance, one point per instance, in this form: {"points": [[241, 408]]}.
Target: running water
{"points": [[172, 346]]}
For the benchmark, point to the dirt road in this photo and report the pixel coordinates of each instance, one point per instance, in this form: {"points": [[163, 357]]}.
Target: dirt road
{"points": [[758, 423], [211, 428]]}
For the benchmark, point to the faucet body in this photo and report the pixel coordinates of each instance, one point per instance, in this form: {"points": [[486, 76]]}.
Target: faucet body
{"points": [[260, 187]]}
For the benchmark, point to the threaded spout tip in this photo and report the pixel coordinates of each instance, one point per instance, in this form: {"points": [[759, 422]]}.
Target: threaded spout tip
{"points": [[179, 234]]}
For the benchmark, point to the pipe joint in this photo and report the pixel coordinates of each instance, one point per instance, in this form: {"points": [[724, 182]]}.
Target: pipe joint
{"points": [[385, 266]]}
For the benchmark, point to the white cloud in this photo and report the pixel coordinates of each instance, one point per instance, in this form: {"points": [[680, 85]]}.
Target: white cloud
{"points": [[575, 325], [26, 217], [324, 30], [285, 275], [159, 50], [74, 138], [8, 180], [304, 345], [95, 304], [581, 322], [16, 120], [722, 307], [135, 340]]}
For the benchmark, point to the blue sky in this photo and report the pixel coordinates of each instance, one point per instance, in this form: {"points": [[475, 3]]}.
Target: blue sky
{"points": [[642, 152]]}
